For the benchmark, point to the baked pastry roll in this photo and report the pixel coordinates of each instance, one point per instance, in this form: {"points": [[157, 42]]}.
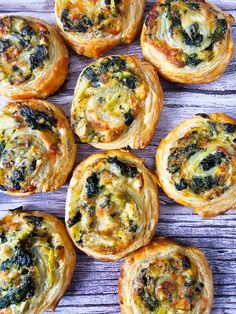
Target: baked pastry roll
{"points": [[196, 163], [112, 205], [37, 261], [37, 149], [188, 41], [117, 103], [33, 58], [93, 27], [166, 277]]}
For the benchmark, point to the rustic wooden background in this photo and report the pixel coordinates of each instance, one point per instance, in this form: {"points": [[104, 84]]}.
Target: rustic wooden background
{"points": [[94, 285]]}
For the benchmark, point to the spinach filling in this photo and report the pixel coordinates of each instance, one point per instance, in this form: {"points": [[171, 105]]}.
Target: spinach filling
{"points": [[150, 302], [194, 37], [37, 58], [81, 238], [221, 28], [115, 66], [34, 220], [195, 142], [2, 147], [212, 160], [130, 81], [37, 120], [17, 177], [80, 25], [201, 184], [3, 238], [228, 127], [18, 75], [193, 5], [160, 276], [92, 76], [92, 185], [183, 153], [126, 170], [186, 264], [129, 118], [75, 219], [20, 259], [27, 31], [4, 44], [20, 294], [133, 227]]}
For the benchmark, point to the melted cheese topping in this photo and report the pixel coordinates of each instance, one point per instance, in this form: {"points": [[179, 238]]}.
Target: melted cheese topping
{"points": [[202, 164], [35, 147], [94, 18], [25, 50], [189, 33], [32, 262], [109, 97], [112, 205], [167, 284]]}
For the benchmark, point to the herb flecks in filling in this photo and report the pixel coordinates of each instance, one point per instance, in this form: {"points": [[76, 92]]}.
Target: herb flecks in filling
{"points": [[194, 44], [24, 49], [168, 282], [200, 163]]}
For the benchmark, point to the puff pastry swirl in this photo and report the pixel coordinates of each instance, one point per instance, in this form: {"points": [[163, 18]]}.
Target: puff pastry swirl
{"points": [[37, 149], [196, 163], [92, 27], [112, 205], [166, 277], [117, 103], [37, 260], [33, 58], [188, 41]]}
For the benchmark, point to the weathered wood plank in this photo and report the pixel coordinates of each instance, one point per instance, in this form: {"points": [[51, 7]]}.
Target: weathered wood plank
{"points": [[48, 5], [94, 285]]}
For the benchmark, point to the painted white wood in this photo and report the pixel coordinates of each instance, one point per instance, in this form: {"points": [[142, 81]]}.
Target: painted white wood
{"points": [[94, 285]]}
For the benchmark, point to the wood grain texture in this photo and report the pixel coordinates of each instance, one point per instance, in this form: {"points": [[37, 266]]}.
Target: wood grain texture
{"points": [[94, 285]]}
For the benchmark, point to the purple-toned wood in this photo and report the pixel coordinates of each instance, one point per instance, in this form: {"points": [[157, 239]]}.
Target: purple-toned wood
{"points": [[94, 285]]}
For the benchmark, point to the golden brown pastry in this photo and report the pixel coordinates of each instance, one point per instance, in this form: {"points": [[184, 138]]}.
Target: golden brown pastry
{"points": [[165, 277], [37, 261], [117, 103], [196, 163], [37, 149], [112, 205], [33, 58], [188, 41], [92, 27]]}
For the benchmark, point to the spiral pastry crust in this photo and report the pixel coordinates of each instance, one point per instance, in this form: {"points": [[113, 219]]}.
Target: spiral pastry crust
{"points": [[92, 27], [112, 205], [37, 149], [188, 41], [166, 277], [196, 163], [117, 103], [37, 260], [33, 58]]}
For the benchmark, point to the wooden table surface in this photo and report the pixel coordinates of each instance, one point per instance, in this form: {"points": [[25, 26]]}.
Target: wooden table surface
{"points": [[94, 285]]}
